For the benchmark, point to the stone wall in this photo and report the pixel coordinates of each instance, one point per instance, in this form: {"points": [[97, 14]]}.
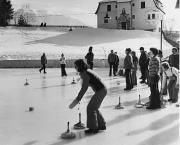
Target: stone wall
{"points": [[51, 63]]}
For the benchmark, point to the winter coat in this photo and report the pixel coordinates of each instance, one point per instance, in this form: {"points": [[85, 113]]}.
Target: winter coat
{"points": [[142, 60]]}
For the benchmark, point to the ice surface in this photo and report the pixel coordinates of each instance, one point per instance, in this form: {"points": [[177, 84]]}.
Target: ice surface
{"points": [[50, 95]]}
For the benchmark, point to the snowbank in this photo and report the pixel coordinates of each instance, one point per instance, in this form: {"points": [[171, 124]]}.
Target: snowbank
{"points": [[29, 44]]}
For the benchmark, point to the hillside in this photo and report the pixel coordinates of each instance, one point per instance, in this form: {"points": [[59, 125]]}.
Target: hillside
{"points": [[30, 44]]}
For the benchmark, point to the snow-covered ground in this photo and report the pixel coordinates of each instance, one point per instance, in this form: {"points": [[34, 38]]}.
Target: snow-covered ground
{"points": [[30, 43], [50, 95]]}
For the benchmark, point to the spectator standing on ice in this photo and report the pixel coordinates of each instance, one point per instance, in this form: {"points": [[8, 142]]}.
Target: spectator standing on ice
{"points": [[90, 57], [147, 67], [134, 69], [173, 85], [112, 61], [160, 54], [174, 58], [142, 64], [95, 120], [63, 65], [153, 80], [43, 63], [128, 65], [116, 63]]}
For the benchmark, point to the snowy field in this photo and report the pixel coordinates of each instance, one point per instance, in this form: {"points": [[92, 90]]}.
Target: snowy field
{"points": [[50, 95], [29, 43]]}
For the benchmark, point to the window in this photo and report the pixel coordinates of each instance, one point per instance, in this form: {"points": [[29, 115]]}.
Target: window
{"points": [[105, 20], [115, 6], [133, 16], [149, 16], [153, 16], [133, 4], [108, 7], [142, 5], [116, 17]]}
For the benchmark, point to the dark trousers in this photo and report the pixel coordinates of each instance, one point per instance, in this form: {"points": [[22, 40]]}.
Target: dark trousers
{"points": [[155, 95], [43, 68], [129, 84], [134, 77], [173, 91], [94, 117], [147, 76], [90, 63], [112, 66], [116, 68], [63, 71], [143, 73]]}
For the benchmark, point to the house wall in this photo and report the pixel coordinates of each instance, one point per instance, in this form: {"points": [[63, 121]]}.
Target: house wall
{"points": [[112, 24], [141, 15], [141, 20], [125, 5]]}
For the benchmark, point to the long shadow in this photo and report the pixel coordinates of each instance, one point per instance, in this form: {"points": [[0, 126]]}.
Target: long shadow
{"points": [[79, 135], [163, 138], [158, 124], [30, 142], [127, 103], [132, 113], [89, 37]]}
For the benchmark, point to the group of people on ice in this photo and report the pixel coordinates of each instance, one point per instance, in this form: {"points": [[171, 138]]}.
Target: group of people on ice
{"points": [[153, 68]]}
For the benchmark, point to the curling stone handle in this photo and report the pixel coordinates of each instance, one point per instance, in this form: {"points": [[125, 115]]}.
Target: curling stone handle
{"points": [[139, 98], [68, 127], [79, 117]]}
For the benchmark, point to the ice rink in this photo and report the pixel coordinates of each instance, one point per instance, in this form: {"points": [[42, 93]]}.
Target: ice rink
{"points": [[50, 95]]}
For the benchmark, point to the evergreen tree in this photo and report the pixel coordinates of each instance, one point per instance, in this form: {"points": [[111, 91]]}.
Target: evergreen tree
{"points": [[22, 21], [6, 12]]}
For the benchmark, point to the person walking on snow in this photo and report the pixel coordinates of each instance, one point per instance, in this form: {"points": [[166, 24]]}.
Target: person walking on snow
{"points": [[112, 63], [63, 65], [43, 63], [95, 120], [89, 57]]}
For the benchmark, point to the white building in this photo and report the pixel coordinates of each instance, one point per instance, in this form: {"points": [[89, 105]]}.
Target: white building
{"points": [[129, 14]]}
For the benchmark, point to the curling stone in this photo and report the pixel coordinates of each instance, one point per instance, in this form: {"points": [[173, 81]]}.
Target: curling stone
{"points": [[119, 106], [31, 109], [140, 104], [79, 125], [177, 105], [73, 82], [118, 83], [68, 134], [26, 83]]}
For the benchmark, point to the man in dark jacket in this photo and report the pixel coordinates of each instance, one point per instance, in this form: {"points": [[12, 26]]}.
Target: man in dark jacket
{"points": [[43, 63], [174, 58], [89, 57], [142, 64], [128, 65], [112, 61]]}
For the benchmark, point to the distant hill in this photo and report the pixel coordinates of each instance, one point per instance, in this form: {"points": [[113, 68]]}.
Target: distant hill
{"points": [[53, 20], [59, 20]]}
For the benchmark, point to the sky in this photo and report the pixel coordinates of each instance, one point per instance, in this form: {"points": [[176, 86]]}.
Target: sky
{"points": [[80, 9]]}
